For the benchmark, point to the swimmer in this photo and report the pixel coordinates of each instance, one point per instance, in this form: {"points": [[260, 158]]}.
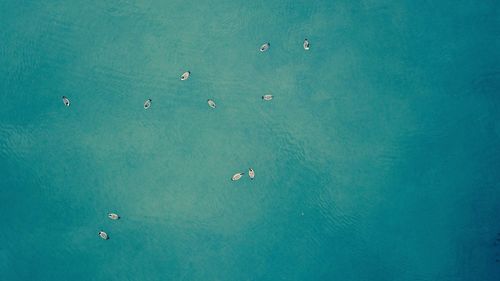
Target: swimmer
{"points": [[251, 173], [211, 103], [103, 235], [147, 104], [65, 101], [113, 216], [185, 75], [306, 44], [267, 97], [265, 47], [237, 176]]}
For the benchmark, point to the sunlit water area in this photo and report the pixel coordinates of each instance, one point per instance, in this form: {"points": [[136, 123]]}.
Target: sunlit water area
{"points": [[374, 148]]}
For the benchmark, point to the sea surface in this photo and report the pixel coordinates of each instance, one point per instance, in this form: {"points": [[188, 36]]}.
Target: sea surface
{"points": [[378, 158]]}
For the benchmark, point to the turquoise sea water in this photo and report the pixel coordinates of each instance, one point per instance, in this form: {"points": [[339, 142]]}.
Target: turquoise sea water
{"points": [[378, 158]]}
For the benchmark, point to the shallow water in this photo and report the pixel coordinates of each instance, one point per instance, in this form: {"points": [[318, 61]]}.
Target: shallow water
{"points": [[377, 159]]}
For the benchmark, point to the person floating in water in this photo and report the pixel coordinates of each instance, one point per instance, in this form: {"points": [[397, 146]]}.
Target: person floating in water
{"points": [[103, 235], [267, 97], [306, 44], [147, 104], [251, 173], [211, 103], [113, 216], [237, 176], [66, 101], [265, 47], [185, 75]]}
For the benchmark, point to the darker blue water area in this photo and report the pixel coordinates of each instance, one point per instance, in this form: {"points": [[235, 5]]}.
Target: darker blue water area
{"points": [[377, 158]]}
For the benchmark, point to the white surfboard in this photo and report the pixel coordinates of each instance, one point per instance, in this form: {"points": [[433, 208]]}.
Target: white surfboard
{"points": [[265, 47], [237, 176], [147, 104], [251, 173], [306, 44], [103, 235], [113, 216], [66, 101], [267, 97], [185, 75], [211, 103]]}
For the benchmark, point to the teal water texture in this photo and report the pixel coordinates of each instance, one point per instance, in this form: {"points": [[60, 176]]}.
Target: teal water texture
{"points": [[378, 158]]}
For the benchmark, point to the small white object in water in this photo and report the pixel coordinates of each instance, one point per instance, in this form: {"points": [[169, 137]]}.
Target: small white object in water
{"points": [[185, 75], [237, 176], [251, 173], [103, 235], [66, 101], [211, 103], [113, 216], [306, 44], [265, 47], [147, 103], [267, 97]]}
